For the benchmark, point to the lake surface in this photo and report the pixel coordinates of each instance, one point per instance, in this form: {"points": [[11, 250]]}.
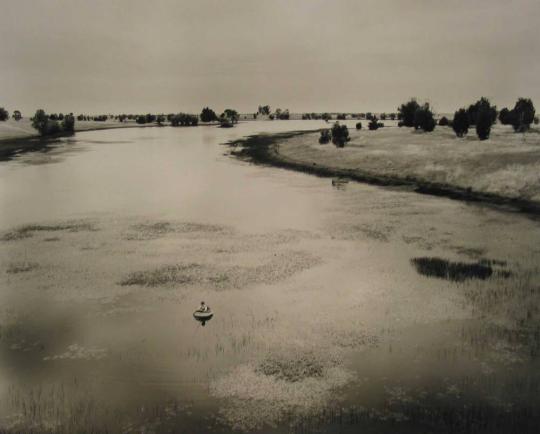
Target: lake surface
{"points": [[338, 308]]}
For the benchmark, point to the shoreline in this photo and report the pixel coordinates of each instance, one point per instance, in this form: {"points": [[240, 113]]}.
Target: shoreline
{"points": [[12, 145], [264, 149]]}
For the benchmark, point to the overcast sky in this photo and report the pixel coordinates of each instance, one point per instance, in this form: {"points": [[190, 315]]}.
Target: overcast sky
{"points": [[306, 55]]}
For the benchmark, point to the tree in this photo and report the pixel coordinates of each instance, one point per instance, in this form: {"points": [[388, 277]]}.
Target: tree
{"points": [[406, 112], [359, 125], [522, 115], [373, 124], [340, 135], [231, 115], [4, 114], [160, 119], [264, 110], [326, 117], [423, 118], [443, 122], [484, 105], [17, 115], [40, 122], [208, 115], [484, 121], [325, 136], [141, 119], [284, 115], [341, 116], [68, 123], [460, 124]]}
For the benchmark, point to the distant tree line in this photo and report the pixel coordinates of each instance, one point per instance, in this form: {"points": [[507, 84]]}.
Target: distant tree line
{"points": [[47, 125]]}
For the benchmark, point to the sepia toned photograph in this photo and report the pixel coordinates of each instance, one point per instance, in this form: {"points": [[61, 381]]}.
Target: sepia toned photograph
{"points": [[269, 217]]}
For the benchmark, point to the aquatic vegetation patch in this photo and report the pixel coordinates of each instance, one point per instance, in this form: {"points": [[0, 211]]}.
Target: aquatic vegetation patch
{"points": [[78, 352], [27, 231], [21, 267], [280, 267], [153, 230], [453, 271], [177, 274], [289, 383], [292, 368]]}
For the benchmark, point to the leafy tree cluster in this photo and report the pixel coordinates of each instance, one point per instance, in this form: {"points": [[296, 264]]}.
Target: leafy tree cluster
{"points": [[460, 123], [229, 117], [325, 136], [4, 114], [326, 117], [412, 114], [264, 110], [340, 135], [374, 124], [47, 126], [208, 115], [520, 117], [423, 118], [184, 120]]}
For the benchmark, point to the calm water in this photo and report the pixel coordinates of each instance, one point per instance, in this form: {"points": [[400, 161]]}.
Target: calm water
{"points": [[321, 322]]}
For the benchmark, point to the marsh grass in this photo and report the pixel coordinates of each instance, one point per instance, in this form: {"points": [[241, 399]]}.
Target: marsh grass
{"points": [[453, 271], [292, 368], [28, 230], [21, 267], [176, 274]]}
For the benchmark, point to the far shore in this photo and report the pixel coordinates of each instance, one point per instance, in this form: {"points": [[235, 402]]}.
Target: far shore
{"points": [[502, 171], [18, 136]]}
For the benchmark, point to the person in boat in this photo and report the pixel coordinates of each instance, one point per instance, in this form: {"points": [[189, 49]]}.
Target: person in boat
{"points": [[203, 307]]}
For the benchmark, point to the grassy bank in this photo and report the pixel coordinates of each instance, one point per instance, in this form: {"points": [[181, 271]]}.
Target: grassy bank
{"points": [[503, 170]]}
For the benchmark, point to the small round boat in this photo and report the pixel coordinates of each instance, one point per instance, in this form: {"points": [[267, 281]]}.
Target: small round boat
{"points": [[203, 316]]}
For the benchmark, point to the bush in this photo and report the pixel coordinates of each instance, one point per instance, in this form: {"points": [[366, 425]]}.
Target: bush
{"points": [[208, 115], [160, 119], [17, 115], [536, 120], [340, 135], [326, 117], [380, 125], [341, 116], [373, 124], [460, 123], [359, 125], [423, 118], [325, 136], [505, 116], [141, 119], [4, 114], [443, 122], [306, 116], [400, 124], [68, 123], [522, 115], [80, 117], [407, 111]]}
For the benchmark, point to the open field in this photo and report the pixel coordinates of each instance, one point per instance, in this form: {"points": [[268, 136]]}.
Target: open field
{"points": [[503, 169]]}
